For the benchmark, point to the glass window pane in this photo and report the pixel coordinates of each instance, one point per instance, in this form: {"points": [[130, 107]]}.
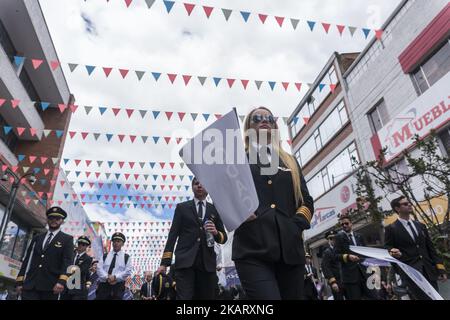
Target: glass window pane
{"points": [[438, 65], [9, 239], [330, 126], [445, 139], [308, 150], [420, 81], [315, 186], [21, 242]]}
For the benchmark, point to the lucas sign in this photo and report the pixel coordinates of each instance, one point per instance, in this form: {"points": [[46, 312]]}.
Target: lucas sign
{"points": [[429, 111]]}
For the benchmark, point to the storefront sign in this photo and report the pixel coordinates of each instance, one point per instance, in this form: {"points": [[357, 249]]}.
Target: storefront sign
{"points": [[429, 111], [9, 268]]}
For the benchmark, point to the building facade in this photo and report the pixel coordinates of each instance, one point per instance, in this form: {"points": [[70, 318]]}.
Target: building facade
{"points": [[25, 145]]}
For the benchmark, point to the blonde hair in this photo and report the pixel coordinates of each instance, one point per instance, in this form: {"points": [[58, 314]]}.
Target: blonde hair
{"points": [[287, 159]]}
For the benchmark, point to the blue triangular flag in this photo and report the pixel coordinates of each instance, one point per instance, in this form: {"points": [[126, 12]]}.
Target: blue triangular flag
{"points": [[110, 163], [37, 170], [154, 187], [99, 196], [272, 84], [206, 116], [159, 198], [311, 24], [81, 184], [117, 175], [7, 129], [295, 120], [155, 139], [169, 5], [21, 157], [366, 32], [155, 114], [77, 173], [102, 110], [118, 185], [245, 15], [191, 177], [152, 164], [43, 181], [321, 86], [186, 187], [66, 195], [90, 69], [155, 176], [66, 160], [109, 136], [156, 75], [18, 60], [59, 133], [216, 80], [194, 116], [45, 105]]}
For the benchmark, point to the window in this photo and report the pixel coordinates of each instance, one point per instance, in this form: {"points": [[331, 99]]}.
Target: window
{"points": [[444, 137], [433, 69], [6, 43], [14, 241], [397, 171], [335, 171], [378, 117], [323, 134]]}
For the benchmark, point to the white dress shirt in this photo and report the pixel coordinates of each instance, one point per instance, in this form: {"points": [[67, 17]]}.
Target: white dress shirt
{"points": [[121, 270], [405, 225], [352, 236], [47, 235]]}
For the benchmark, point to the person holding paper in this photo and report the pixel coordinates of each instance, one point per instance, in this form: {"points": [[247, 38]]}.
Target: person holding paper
{"points": [[409, 241], [354, 276], [195, 262], [268, 248]]}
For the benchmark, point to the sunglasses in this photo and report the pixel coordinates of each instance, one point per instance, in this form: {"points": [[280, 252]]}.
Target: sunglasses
{"points": [[257, 118], [345, 223]]}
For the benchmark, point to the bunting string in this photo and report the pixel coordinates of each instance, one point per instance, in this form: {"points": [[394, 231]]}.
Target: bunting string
{"points": [[281, 22]]}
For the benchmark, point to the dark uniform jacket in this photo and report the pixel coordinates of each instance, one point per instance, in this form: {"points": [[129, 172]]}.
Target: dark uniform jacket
{"points": [[276, 233], [331, 266], [350, 269], [46, 267], [421, 254], [84, 263], [146, 291], [188, 229]]}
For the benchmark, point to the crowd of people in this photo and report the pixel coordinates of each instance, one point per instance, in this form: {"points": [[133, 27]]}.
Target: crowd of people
{"points": [[267, 250]]}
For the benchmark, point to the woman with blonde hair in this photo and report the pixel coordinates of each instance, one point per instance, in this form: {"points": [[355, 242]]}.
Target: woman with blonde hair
{"points": [[268, 248]]}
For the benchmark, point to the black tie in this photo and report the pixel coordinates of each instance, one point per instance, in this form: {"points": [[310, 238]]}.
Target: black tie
{"points": [[413, 231], [113, 264], [351, 239], [49, 239], [200, 210]]}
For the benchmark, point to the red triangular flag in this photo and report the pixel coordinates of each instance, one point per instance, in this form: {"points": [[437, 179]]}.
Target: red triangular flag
{"points": [[15, 103], [2, 101], [32, 158], [340, 28], [332, 87], [285, 85], [84, 135], [298, 85], [129, 112], [168, 115], [121, 136], [116, 111], [107, 71], [306, 120], [132, 138], [178, 140], [186, 79], [54, 64], [123, 72], [181, 115], [208, 10], [244, 84], [326, 26], [167, 139], [230, 82], [378, 34], [128, 2], [189, 7], [280, 21], [20, 130], [262, 17], [172, 77], [62, 107], [33, 131], [73, 108], [36, 63]]}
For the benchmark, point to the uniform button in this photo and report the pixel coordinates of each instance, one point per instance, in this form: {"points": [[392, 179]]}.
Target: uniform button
{"points": [[420, 257], [40, 266], [273, 206], [269, 182], [42, 256], [198, 239], [417, 246]]}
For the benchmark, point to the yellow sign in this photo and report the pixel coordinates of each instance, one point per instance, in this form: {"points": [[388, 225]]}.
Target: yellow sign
{"points": [[439, 205]]}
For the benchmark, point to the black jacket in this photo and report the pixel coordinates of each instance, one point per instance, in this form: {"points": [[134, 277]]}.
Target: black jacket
{"points": [[331, 266], [188, 229], [350, 269], [84, 263], [419, 255], [276, 233], [47, 267], [144, 290]]}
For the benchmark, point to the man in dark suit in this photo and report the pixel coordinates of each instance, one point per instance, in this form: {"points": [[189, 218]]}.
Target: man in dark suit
{"points": [[146, 288], [409, 241], [354, 277], [331, 267], [195, 262], [43, 273], [83, 262], [310, 279]]}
